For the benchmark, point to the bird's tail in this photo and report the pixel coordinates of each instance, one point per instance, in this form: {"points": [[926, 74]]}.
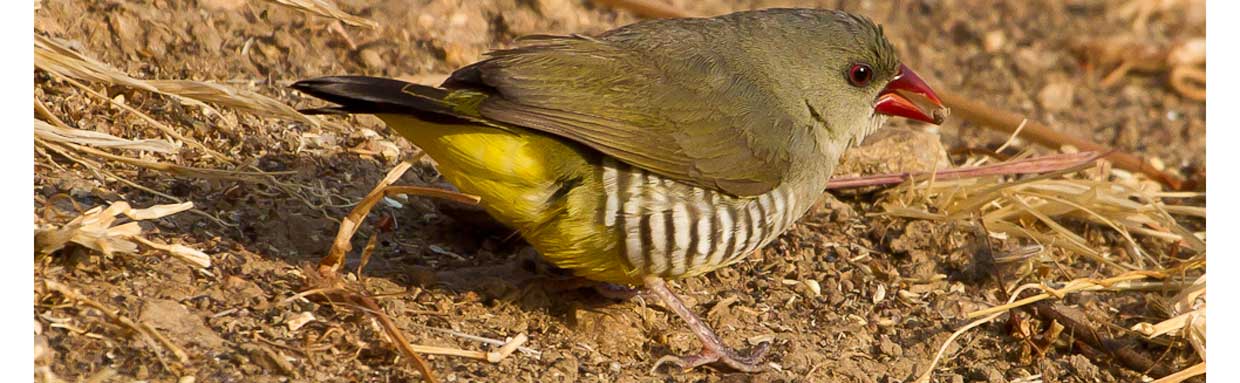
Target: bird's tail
{"points": [[519, 174], [375, 95]]}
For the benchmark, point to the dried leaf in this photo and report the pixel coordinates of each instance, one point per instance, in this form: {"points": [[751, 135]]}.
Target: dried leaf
{"points": [[94, 230]]}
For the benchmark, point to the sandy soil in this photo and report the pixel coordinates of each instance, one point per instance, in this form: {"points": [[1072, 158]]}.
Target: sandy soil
{"points": [[891, 290]]}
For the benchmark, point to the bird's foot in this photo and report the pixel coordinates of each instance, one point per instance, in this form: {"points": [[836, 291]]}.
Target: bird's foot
{"points": [[713, 349], [748, 362]]}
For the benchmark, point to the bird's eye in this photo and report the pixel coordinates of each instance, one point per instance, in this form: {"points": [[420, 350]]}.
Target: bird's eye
{"points": [[860, 75]]}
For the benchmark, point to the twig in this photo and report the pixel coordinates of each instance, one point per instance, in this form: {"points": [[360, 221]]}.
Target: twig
{"points": [[1076, 326], [431, 192], [507, 349], [367, 251], [331, 263], [925, 376], [436, 350], [395, 334], [646, 8], [338, 28], [494, 356], [41, 112], [1012, 138], [1007, 122]]}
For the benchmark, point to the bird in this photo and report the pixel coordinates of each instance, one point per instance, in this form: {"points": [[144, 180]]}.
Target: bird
{"points": [[656, 151]]}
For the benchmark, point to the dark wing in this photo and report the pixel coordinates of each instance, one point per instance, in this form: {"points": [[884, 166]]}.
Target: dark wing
{"points": [[686, 116]]}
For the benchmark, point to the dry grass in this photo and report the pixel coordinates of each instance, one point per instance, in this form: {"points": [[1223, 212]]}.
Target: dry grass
{"points": [[1059, 211], [1012, 208], [54, 57], [327, 8], [57, 59]]}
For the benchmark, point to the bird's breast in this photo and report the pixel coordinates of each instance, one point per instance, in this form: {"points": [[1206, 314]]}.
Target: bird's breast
{"points": [[676, 230]]}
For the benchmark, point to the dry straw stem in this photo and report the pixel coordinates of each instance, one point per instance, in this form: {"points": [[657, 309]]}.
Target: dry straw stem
{"points": [[494, 356], [185, 171], [52, 133], [394, 334], [526, 350], [449, 351], [925, 375], [1077, 285], [66, 150], [331, 263], [95, 230], [53, 57], [327, 8], [239, 99], [1089, 338], [114, 315], [66, 137]]}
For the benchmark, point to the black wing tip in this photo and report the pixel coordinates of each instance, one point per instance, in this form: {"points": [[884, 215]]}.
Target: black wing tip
{"points": [[317, 83], [377, 95], [334, 110]]}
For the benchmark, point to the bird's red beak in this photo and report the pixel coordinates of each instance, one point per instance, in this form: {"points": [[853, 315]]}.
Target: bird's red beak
{"points": [[891, 102]]}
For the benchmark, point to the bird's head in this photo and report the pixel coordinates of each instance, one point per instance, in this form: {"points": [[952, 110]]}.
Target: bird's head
{"points": [[857, 78]]}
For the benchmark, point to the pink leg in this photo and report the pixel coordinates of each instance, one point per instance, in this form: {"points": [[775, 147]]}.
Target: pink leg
{"points": [[713, 349]]}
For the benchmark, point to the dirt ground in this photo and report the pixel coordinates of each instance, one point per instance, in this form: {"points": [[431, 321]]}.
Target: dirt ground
{"points": [[890, 290]]}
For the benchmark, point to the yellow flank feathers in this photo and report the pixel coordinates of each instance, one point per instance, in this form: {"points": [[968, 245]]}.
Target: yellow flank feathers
{"points": [[544, 187]]}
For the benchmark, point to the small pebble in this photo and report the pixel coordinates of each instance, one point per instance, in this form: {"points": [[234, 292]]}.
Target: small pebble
{"points": [[371, 58], [993, 41], [1056, 96]]}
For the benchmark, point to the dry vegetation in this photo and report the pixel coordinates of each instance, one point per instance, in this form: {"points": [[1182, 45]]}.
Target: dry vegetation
{"points": [[181, 203]]}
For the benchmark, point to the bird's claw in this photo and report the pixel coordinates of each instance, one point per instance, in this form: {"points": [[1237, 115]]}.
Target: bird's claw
{"points": [[615, 292], [749, 362]]}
